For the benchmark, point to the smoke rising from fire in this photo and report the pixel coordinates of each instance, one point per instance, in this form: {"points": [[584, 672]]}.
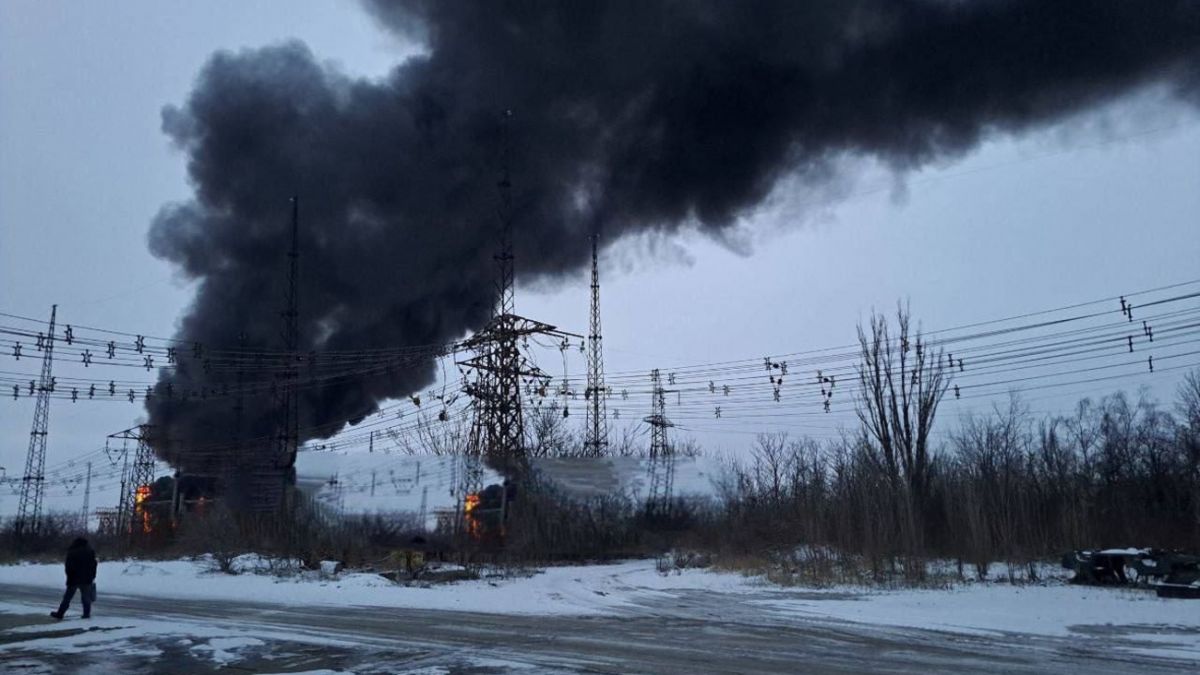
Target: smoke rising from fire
{"points": [[631, 116]]}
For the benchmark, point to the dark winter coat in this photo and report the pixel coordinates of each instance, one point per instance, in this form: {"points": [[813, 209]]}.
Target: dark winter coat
{"points": [[81, 563]]}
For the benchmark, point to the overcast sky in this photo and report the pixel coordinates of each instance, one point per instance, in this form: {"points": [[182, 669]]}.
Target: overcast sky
{"points": [[1098, 206]]}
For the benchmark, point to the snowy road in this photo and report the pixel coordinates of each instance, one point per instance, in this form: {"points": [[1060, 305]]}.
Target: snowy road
{"points": [[689, 632]]}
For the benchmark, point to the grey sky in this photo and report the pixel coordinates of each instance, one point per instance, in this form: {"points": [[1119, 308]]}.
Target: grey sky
{"points": [[1095, 207]]}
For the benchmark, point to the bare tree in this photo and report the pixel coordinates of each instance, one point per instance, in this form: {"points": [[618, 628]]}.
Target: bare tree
{"points": [[992, 453], [686, 446], [901, 382], [628, 443], [772, 466], [217, 534], [438, 436], [549, 435], [1188, 404], [1188, 407]]}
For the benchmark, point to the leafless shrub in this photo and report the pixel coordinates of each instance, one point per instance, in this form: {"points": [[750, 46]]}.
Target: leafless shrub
{"points": [[48, 540], [216, 533]]}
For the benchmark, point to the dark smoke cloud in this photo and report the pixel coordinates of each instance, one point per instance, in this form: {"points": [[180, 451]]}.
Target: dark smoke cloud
{"points": [[632, 116]]}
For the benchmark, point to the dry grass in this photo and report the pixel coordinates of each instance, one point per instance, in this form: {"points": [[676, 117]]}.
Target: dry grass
{"points": [[819, 567]]}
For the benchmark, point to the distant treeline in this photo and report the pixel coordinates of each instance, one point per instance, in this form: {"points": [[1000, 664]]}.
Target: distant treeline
{"points": [[1008, 486]]}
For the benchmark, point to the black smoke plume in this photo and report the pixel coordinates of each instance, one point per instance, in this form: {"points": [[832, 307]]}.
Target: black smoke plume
{"points": [[629, 115]]}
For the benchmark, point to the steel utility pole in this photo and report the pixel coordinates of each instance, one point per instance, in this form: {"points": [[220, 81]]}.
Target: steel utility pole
{"points": [[123, 515], [596, 441], [87, 495], [33, 482]]}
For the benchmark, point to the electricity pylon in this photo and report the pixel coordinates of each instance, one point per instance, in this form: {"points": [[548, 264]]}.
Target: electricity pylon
{"points": [[499, 366], [662, 458], [33, 482], [596, 441]]}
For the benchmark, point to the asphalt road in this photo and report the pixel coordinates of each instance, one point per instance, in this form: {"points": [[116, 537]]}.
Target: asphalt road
{"points": [[692, 633]]}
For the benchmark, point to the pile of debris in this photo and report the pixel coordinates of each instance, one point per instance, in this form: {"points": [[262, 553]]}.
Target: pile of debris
{"points": [[1172, 574]]}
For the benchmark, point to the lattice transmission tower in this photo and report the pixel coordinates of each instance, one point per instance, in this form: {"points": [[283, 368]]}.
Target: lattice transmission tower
{"points": [[596, 441], [268, 479], [662, 457], [33, 482], [499, 366], [135, 484]]}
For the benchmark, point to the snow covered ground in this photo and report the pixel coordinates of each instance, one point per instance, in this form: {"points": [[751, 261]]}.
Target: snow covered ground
{"points": [[1098, 621], [158, 644], [595, 589], [207, 641], [1043, 609]]}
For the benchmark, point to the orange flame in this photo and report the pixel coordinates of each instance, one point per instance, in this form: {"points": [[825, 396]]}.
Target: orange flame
{"points": [[470, 505], [140, 496]]}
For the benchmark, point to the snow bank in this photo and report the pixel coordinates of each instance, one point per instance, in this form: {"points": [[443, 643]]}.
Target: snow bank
{"points": [[595, 589]]}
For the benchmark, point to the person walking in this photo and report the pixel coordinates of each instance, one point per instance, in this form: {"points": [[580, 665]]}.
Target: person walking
{"points": [[81, 576]]}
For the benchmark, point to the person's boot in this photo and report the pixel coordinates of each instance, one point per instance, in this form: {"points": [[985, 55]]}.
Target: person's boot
{"points": [[57, 615], [86, 615]]}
